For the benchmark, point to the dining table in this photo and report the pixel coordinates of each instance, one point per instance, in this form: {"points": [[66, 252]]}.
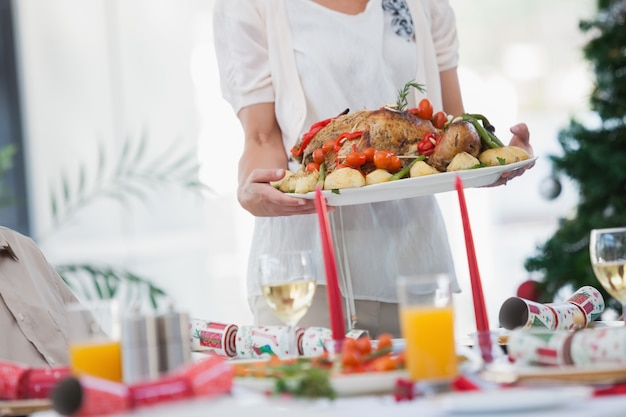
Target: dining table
{"points": [[245, 402], [480, 389], [551, 392]]}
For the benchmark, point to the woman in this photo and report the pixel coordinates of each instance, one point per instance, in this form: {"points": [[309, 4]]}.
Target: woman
{"points": [[285, 64]]}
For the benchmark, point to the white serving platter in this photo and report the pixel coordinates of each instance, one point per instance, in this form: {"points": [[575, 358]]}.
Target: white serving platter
{"points": [[418, 186]]}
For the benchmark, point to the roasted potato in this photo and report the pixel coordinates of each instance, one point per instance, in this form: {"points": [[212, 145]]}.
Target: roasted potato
{"points": [[502, 156], [421, 168], [306, 181], [377, 176], [520, 153], [461, 161], [287, 184], [344, 178]]}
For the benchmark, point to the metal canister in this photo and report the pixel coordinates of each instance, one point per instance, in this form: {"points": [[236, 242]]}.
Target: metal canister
{"points": [[140, 349], [174, 340]]}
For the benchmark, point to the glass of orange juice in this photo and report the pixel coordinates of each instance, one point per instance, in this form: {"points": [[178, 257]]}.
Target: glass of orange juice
{"points": [[94, 339], [427, 325]]}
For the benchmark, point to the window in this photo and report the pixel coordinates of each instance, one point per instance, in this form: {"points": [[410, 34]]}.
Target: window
{"points": [[13, 202]]}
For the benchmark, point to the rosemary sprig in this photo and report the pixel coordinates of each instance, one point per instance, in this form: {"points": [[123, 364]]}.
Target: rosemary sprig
{"points": [[403, 94]]}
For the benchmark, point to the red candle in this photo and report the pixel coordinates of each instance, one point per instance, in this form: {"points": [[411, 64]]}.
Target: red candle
{"points": [[480, 311], [332, 284]]}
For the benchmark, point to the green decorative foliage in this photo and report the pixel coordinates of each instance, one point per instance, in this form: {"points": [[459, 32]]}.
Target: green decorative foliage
{"points": [[6, 164], [594, 156], [132, 176], [103, 282]]}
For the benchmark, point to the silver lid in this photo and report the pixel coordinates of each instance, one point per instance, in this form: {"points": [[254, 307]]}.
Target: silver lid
{"points": [[174, 340], [139, 330], [140, 350]]}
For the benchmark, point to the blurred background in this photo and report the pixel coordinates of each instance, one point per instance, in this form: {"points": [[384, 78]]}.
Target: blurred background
{"points": [[125, 152]]}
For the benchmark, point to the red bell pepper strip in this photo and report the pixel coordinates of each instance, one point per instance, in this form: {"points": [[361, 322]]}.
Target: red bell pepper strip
{"points": [[346, 136], [308, 136], [427, 145]]}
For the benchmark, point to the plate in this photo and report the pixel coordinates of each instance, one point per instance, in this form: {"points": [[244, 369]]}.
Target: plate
{"points": [[510, 399], [510, 373], [415, 187], [366, 383]]}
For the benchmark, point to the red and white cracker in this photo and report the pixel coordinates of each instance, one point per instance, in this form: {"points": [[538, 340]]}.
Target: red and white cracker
{"points": [[219, 338], [265, 341]]}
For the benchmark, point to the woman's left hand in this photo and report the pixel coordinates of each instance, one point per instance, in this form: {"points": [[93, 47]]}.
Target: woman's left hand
{"points": [[521, 139]]}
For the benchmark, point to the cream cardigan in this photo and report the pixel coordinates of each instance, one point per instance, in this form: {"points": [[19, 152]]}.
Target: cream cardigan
{"points": [[270, 74]]}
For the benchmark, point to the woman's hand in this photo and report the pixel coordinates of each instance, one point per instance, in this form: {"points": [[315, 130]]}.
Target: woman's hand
{"points": [[260, 198], [521, 138], [264, 160]]}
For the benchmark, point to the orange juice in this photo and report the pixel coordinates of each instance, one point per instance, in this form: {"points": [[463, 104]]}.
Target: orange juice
{"points": [[429, 334], [102, 359]]}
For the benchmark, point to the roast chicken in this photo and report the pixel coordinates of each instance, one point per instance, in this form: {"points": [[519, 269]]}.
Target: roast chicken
{"points": [[391, 130], [344, 151]]}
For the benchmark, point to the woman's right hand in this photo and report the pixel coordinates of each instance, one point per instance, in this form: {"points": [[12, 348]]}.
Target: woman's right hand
{"points": [[260, 198], [264, 160]]}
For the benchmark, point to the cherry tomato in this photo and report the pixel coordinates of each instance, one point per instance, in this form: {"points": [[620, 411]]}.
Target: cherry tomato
{"points": [[355, 159], [318, 156], [339, 165], [348, 344], [312, 166], [350, 358], [369, 154], [328, 146], [384, 341], [364, 345], [440, 119], [384, 363], [425, 109], [381, 159], [395, 164]]}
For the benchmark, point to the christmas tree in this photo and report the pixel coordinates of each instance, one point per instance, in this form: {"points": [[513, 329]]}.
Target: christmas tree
{"points": [[594, 156]]}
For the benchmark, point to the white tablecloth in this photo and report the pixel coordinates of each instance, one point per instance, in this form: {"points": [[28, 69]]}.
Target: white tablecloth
{"points": [[246, 403]]}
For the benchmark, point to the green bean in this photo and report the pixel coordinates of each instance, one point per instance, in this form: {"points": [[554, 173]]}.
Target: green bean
{"points": [[482, 118], [489, 139], [322, 177], [490, 132], [405, 171]]}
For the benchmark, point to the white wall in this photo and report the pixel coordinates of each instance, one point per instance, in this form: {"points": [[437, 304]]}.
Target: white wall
{"points": [[101, 71], [98, 73]]}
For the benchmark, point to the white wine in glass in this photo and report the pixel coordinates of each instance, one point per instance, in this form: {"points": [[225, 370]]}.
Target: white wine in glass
{"points": [[607, 251], [288, 284]]}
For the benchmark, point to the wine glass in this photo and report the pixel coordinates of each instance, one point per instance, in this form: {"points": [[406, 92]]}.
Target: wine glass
{"points": [[607, 251], [288, 284]]}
